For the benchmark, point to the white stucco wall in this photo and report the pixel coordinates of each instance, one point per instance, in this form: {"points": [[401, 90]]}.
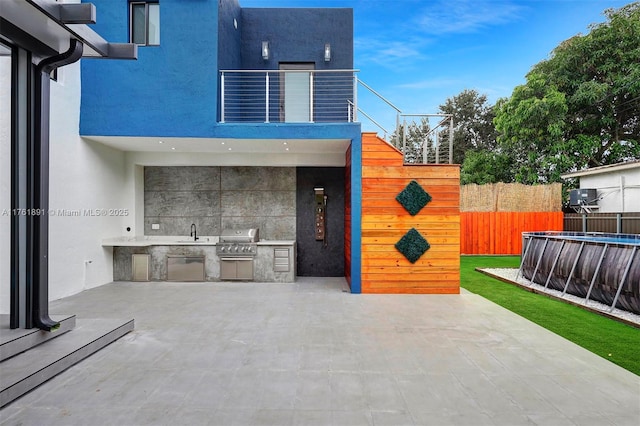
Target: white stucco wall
{"points": [[86, 182], [5, 180], [619, 190], [86, 179]]}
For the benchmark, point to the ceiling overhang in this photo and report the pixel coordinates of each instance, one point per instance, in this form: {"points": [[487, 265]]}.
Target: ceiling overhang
{"points": [[276, 152]]}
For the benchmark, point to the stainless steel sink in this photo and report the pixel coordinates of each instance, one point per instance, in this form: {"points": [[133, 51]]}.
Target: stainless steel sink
{"points": [[190, 241]]}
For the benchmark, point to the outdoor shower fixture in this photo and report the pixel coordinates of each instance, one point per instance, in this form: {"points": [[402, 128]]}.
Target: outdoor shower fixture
{"points": [[327, 52], [265, 50], [320, 215]]}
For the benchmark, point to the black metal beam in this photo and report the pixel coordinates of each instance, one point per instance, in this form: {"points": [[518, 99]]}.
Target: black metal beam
{"points": [[30, 136], [86, 35], [39, 187], [77, 13], [24, 39], [22, 77]]}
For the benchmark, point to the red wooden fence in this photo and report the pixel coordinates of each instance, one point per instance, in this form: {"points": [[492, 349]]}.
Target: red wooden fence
{"points": [[501, 232]]}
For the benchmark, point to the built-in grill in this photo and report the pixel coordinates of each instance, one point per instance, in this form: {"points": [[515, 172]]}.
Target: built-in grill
{"points": [[238, 242], [236, 250]]}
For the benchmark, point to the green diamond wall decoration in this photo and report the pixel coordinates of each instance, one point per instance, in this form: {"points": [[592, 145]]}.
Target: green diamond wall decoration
{"points": [[412, 245], [413, 198]]}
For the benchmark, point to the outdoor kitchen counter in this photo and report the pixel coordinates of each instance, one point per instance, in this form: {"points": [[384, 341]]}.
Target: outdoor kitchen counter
{"points": [[146, 241], [276, 243], [159, 247]]}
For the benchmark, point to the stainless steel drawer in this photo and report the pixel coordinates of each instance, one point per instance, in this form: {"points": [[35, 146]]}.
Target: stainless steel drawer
{"points": [[140, 267], [281, 260], [185, 268], [236, 268]]}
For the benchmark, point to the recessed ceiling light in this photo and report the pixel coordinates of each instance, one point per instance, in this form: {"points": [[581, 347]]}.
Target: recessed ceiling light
{"points": [[173, 148], [160, 141], [229, 149], [286, 149], [221, 143], [284, 143]]}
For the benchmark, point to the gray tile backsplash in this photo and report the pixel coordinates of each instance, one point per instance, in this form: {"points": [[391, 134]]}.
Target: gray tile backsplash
{"points": [[219, 197], [258, 203], [186, 178], [172, 225], [182, 203], [282, 227], [258, 178]]}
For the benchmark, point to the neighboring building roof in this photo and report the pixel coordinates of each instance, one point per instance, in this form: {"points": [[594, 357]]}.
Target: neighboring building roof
{"points": [[603, 169]]}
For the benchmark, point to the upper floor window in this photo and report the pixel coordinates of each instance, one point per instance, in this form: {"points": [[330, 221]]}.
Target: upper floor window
{"points": [[145, 23]]}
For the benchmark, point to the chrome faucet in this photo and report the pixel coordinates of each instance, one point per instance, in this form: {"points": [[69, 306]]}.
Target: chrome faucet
{"points": [[194, 233]]}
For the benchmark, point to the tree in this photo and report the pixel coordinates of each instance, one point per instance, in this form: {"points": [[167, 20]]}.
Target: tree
{"points": [[531, 125], [484, 166], [581, 107], [473, 123], [415, 138]]}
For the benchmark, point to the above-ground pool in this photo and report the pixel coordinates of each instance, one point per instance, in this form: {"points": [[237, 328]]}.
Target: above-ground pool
{"points": [[596, 266]]}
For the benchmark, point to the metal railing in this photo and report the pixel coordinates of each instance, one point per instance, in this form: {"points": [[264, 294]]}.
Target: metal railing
{"points": [[328, 96], [386, 101], [278, 96], [424, 143], [620, 223], [420, 141]]}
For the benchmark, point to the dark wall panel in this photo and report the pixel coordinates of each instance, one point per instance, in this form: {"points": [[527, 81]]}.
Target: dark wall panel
{"points": [[297, 35], [314, 259]]}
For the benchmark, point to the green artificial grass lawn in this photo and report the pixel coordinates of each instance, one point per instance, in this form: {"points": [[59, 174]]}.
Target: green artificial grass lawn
{"points": [[612, 340]]}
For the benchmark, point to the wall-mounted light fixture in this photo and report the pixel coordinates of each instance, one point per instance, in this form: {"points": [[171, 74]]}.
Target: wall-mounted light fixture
{"points": [[327, 52], [265, 50]]}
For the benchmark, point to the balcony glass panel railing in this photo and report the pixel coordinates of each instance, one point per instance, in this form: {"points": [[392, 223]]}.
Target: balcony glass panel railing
{"points": [[277, 96]]}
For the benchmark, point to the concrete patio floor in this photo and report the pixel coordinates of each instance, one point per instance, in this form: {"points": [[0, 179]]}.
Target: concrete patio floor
{"points": [[310, 354]]}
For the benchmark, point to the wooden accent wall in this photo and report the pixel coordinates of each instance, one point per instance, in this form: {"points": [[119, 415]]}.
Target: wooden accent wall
{"points": [[385, 221], [501, 232], [347, 217]]}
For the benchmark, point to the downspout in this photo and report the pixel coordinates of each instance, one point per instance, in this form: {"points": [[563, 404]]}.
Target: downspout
{"points": [[622, 193], [38, 227]]}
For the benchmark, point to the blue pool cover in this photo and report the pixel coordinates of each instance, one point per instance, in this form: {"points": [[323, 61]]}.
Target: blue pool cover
{"points": [[596, 237]]}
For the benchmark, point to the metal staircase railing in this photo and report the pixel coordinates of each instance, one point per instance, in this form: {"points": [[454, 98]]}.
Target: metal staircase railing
{"points": [[419, 141]]}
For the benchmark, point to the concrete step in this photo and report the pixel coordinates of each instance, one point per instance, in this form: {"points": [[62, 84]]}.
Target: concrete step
{"points": [[13, 342], [25, 371]]}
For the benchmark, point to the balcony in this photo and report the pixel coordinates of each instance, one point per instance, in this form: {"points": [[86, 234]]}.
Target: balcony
{"points": [[288, 96]]}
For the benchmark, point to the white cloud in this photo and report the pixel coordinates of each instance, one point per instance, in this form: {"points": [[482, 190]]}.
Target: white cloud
{"points": [[391, 53], [461, 16], [432, 83]]}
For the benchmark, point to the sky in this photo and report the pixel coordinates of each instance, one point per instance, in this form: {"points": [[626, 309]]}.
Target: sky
{"points": [[419, 53]]}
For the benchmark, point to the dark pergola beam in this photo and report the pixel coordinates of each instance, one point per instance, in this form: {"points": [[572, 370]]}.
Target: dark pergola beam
{"points": [[77, 13], [94, 42], [67, 13], [122, 51], [11, 32]]}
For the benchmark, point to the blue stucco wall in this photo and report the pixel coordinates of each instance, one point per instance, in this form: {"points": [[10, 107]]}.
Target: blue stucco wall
{"points": [[356, 215], [229, 36], [171, 90]]}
